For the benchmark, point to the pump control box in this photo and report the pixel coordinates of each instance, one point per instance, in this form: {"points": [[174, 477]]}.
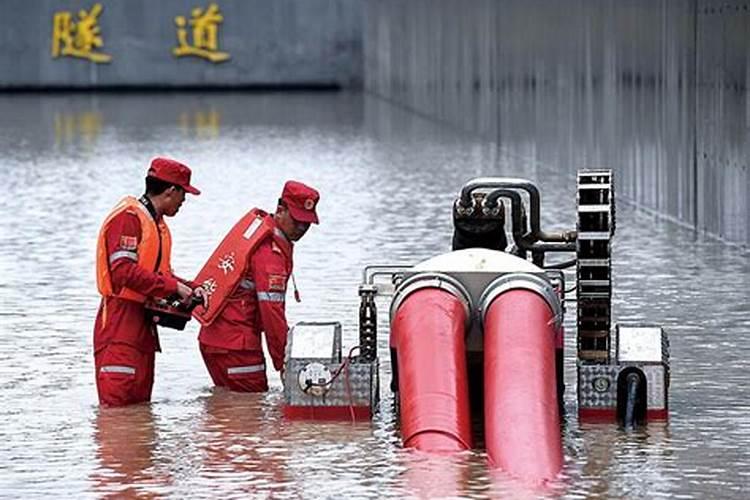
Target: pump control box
{"points": [[322, 384]]}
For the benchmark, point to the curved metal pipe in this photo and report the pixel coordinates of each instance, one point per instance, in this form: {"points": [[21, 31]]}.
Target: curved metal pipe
{"points": [[546, 246], [506, 182], [562, 265], [536, 234], [370, 272], [515, 213]]}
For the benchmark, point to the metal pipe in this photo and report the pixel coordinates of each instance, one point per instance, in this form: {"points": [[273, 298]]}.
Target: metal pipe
{"points": [[515, 212], [536, 234], [562, 265], [369, 272], [508, 183], [545, 246]]}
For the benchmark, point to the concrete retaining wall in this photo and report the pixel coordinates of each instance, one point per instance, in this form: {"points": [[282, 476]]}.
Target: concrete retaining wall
{"points": [[269, 43], [655, 89]]}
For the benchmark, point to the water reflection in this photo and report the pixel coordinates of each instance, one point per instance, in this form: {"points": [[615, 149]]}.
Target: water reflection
{"points": [[203, 124], [236, 443], [69, 127], [126, 439], [431, 476], [642, 457]]}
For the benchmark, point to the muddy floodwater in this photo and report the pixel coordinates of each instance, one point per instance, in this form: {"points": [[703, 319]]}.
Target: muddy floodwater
{"points": [[387, 179]]}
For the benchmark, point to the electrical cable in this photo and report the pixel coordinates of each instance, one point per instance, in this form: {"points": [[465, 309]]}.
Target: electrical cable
{"points": [[344, 366]]}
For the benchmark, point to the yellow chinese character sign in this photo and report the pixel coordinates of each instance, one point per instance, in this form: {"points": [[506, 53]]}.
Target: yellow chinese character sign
{"points": [[205, 27], [78, 39]]}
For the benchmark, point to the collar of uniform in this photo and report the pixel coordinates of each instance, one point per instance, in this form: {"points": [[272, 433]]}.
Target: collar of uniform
{"points": [[280, 238], [146, 202]]}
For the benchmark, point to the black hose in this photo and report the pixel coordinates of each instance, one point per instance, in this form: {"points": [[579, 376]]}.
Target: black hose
{"points": [[630, 419], [562, 265]]}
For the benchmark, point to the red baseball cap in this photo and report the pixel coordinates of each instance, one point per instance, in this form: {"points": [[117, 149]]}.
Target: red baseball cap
{"points": [[172, 171], [301, 201]]}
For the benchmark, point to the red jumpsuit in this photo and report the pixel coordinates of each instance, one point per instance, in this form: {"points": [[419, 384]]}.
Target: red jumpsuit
{"points": [[124, 342], [231, 344]]}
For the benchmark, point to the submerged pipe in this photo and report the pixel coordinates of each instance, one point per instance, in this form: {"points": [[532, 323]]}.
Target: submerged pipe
{"points": [[521, 315], [631, 404], [633, 381], [429, 315]]}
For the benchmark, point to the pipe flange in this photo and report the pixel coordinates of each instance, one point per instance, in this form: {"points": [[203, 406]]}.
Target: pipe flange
{"points": [[432, 280], [525, 281]]}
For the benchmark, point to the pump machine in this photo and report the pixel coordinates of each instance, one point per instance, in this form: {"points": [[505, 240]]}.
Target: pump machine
{"points": [[478, 331]]}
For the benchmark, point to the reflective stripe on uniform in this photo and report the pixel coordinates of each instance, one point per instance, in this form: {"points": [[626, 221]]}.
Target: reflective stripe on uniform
{"points": [[127, 254], [271, 296], [235, 370], [247, 284], [117, 369]]}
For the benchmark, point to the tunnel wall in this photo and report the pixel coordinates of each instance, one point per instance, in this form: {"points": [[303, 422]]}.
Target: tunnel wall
{"points": [[269, 43], [655, 89]]}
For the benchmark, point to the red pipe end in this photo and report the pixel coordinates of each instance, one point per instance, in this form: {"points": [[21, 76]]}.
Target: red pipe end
{"points": [[522, 424], [433, 385]]}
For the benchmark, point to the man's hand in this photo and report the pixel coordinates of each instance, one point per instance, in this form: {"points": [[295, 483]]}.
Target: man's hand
{"points": [[184, 292], [200, 293]]}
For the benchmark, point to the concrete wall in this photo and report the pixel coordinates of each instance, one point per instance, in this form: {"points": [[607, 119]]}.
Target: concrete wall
{"points": [[655, 89], [270, 42]]}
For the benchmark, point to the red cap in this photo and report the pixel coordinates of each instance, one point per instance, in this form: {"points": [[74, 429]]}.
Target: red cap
{"points": [[301, 201], [172, 171]]}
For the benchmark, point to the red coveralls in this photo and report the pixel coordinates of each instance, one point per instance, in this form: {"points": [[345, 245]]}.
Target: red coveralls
{"points": [[124, 342], [231, 344]]}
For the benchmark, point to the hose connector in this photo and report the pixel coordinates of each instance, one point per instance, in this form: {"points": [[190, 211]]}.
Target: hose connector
{"points": [[433, 280], [524, 281]]}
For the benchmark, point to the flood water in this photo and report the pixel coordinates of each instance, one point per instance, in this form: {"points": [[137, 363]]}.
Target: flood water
{"points": [[387, 179]]}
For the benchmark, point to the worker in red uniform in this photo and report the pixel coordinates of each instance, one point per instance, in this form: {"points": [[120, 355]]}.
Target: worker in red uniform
{"points": [[231, 344], [133, 263]]}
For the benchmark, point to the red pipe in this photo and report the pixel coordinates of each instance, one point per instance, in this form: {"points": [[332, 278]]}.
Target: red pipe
{"points": [[522, 426], [428, 330]]}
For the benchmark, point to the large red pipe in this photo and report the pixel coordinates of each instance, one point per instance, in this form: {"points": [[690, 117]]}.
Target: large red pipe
{"points": [[428, 333], [522, 426]]}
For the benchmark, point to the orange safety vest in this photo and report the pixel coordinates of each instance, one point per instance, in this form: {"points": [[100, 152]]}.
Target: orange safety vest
{"points": [[222, 272], [152, 234]]}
